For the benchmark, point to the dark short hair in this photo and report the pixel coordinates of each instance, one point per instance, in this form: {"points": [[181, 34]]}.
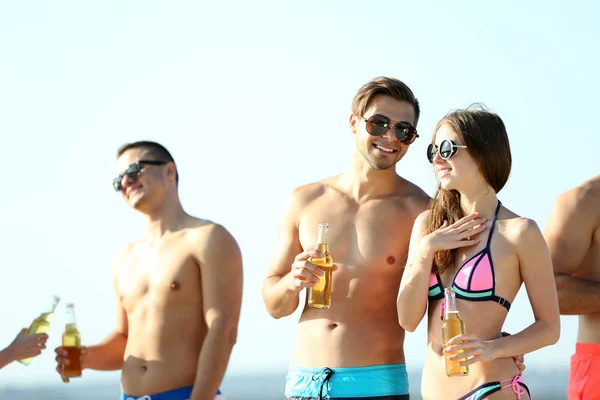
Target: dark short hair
{"points": [[156, 150]]}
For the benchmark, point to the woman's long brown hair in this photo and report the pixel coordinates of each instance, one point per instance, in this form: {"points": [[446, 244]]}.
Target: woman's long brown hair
{"points": [[487, 142]]}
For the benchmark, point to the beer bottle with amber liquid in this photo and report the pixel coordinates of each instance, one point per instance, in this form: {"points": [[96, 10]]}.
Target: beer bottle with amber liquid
{"points": [[71, 341], [319, 296], [451, 327], [42, 323]]}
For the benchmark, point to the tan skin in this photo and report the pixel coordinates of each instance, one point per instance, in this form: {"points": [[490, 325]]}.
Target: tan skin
{"points": [[23, 346], [178, 292], [369, 209], [519, 255], [573, 236]]}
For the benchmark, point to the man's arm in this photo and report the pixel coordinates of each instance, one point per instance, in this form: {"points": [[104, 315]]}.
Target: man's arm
{"points": [[221, 265], [108, 355], [280, 295], [569, 235]]}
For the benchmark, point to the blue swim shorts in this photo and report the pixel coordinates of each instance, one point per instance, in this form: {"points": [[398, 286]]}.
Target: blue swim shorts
{"points": [[183, 393], [381, 382]]}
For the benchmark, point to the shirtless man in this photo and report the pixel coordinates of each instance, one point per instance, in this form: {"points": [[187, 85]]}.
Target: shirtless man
{"points": [[573, 236], [370, 210], [178, 290]]}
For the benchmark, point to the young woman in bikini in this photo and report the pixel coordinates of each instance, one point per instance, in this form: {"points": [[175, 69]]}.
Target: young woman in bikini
{"points": [[470, 241]]}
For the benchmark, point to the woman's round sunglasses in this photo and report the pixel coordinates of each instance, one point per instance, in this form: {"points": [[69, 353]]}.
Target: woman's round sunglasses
{"points": [[448, 149], [132, 172], [378, 124]]}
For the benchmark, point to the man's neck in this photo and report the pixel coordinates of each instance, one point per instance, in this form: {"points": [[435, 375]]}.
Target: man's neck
{"points": [[168, 217], [361, 181]]}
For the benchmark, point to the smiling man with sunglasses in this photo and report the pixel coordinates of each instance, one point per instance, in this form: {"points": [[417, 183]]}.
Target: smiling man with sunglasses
{"points": [[178, 290], [354, 349]]}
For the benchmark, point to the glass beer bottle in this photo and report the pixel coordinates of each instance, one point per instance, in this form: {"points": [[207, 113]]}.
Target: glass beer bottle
{"points": [[42, 323], [451, 327], [71, 341], [319, 296]]}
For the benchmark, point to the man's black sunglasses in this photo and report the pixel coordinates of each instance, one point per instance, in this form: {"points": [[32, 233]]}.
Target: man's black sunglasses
{"points": [[378, 124], [132, 172]]}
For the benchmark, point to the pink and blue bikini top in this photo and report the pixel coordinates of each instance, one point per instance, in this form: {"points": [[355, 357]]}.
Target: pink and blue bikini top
{"points": [[475, 280]]}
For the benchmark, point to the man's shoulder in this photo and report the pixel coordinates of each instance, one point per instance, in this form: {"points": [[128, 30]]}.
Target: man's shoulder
{"points": [[207, 240], [308, 192], [589, 191], [584, 197], [128, 249], [408, 188], [198, 229], [413, 194]]}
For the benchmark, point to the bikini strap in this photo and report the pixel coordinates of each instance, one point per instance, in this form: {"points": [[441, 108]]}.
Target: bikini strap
{"points": [[503, 302], [516, 384], [493, 224]]}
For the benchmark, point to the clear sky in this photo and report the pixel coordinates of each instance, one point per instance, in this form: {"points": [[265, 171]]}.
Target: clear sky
{"points": [[253, 99]]}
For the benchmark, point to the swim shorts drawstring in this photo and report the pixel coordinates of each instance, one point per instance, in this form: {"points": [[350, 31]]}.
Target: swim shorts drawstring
{"points": [[328, 372]]}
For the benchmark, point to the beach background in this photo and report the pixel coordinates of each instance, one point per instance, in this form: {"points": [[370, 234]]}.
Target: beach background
{"points": [[253, 100], [544, 385]]}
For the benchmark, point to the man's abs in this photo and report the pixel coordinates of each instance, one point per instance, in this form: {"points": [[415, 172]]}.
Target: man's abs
{"points": [[162, 351], [140, 377], [350, 340]]}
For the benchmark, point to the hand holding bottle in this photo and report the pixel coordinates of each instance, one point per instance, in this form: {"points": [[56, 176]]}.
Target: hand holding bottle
{"points": [[63, 362], [69, 354], [305, 274], [41, 324], [470, 350], [26, 346]]}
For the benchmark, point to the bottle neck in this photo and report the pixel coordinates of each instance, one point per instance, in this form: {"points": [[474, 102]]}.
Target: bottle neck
{"points": [[450, 304], [51, 307], [71, 316], [323, 234]]}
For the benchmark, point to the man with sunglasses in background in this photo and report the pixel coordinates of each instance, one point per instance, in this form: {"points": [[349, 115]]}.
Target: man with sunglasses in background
{"points": [[573, 236], [178, 290], [354, 349]]}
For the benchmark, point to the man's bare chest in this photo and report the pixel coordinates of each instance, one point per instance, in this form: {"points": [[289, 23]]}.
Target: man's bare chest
{"points": [[160, 277], [371, 236]]}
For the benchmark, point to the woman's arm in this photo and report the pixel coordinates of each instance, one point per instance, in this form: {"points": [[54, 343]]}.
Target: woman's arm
{"points": [[535, 265], [412, 297], [536, 270]]}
